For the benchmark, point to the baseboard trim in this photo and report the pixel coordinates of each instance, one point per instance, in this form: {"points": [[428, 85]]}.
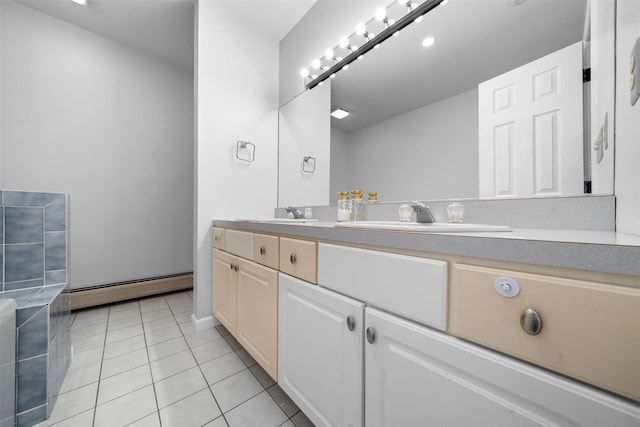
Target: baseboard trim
{"points": [[203, 323], [135, 289]]}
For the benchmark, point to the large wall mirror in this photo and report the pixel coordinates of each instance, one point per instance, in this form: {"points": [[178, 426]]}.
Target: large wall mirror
{"points": [[457, 119]]}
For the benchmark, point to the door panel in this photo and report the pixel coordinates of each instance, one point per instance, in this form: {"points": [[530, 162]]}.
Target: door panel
{"points": [[530, 128], [224, 290], [257, 328], [320, 360], [416, 376]]}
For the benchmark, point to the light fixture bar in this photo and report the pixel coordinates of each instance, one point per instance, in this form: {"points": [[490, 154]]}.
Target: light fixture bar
{"points": [[407, 19]]}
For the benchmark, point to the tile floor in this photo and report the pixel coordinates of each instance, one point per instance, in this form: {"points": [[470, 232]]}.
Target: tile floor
{"points": [[140, 363]]}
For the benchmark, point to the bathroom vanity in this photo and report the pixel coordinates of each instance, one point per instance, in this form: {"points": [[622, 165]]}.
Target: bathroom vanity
{"points": [[399, 328]]}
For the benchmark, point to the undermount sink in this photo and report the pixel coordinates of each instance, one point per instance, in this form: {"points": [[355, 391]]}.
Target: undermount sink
{"points": [[438, 227], [283, 220]]}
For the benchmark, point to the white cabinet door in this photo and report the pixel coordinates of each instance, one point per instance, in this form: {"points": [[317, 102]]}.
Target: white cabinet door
{"points": [[320, 359], [530, 126], [416, 376]]}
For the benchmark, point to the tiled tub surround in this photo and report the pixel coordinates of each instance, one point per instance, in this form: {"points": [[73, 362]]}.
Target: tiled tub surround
{"points": [[34, 239], [7, 362], [34, 274]]}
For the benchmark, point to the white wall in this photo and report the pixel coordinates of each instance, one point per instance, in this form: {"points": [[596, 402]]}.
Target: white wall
{"points": [[627, 171], [439, 145], [111, 126], [304, 129], [237, 99], [339, 180]]}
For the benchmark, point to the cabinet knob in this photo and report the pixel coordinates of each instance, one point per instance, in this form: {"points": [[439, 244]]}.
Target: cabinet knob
{"points": [[231, 266], [351, 323], [216, 238], [371, 335], [236, 267], [263, 250], [292, 258], [531, 321]]}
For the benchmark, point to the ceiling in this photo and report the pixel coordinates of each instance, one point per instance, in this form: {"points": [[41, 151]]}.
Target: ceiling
{"points": [[475, 41], [165, 28]]}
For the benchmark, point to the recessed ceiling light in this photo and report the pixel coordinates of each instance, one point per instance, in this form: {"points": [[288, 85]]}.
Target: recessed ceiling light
{"points": [[429, 41], [80, 2], [340, 113]]}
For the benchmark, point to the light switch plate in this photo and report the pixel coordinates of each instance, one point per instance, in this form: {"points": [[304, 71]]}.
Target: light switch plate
{"points": [[634, 68]]}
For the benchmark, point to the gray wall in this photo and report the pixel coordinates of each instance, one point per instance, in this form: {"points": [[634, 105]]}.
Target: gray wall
{"points": [[436, 156], [111, 126]]}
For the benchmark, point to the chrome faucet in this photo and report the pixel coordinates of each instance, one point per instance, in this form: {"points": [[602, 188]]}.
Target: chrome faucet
{"points": [[423, 213], [297, 213]]}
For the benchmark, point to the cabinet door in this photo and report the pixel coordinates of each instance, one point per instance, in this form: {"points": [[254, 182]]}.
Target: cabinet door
{"points": [[224, 289], [320, 358], [257, 327], [416, 376]]}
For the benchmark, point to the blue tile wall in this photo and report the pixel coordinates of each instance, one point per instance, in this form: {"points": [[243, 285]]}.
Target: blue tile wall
{"points": [[33, 261], [32, 383], [33, 229]]}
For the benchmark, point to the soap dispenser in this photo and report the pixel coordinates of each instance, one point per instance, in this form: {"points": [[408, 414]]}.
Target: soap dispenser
{"points": [[344, 206], [358, 206]]}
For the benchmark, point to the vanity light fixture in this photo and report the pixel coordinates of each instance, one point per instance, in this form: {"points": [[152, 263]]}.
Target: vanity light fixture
{"points": [[429, 41], [340, 113], [414, 13]]}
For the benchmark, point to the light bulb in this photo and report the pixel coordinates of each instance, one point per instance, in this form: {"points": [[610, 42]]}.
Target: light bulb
{"points": [[328, 54], [396, 34], [418, 19], [316, 64], [381, 13], [429, 41], [444, 2], [369, 36], [314, 76], [344, 42], [376, 46], [332, 76], [346, 67], [304, 73], [353, 47], [360, 29]]}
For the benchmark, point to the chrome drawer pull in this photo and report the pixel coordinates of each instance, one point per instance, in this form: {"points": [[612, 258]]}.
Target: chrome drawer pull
{"points": [[351, 323], [371, 335], [531, 321]]}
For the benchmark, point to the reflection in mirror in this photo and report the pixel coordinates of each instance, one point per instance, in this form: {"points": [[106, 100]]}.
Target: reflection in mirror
{"points": [[414, 128], [303, 152]]}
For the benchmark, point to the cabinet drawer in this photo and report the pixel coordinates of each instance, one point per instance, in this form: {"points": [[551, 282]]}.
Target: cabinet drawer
{"points": [[408, 286], [299, 258], [218, 238], [239, 243], [265, 250], [590, 331]]}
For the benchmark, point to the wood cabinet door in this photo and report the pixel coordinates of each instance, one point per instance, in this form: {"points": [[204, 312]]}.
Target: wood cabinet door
{"points": [[416, 376], [320, 358], [224, 289], [257, 321]]}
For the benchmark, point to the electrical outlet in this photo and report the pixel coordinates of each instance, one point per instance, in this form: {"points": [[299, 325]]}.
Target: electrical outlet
{"points": [[634, 70]]}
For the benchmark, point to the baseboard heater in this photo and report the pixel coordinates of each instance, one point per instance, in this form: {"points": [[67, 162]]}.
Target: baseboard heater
{"points": [[91, 296]]}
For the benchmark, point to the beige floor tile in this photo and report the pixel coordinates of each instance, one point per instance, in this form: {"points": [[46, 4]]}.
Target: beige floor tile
{"points": [[124, 383], [192, 411], [126, 409], [124, 363], [179, 386]]}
